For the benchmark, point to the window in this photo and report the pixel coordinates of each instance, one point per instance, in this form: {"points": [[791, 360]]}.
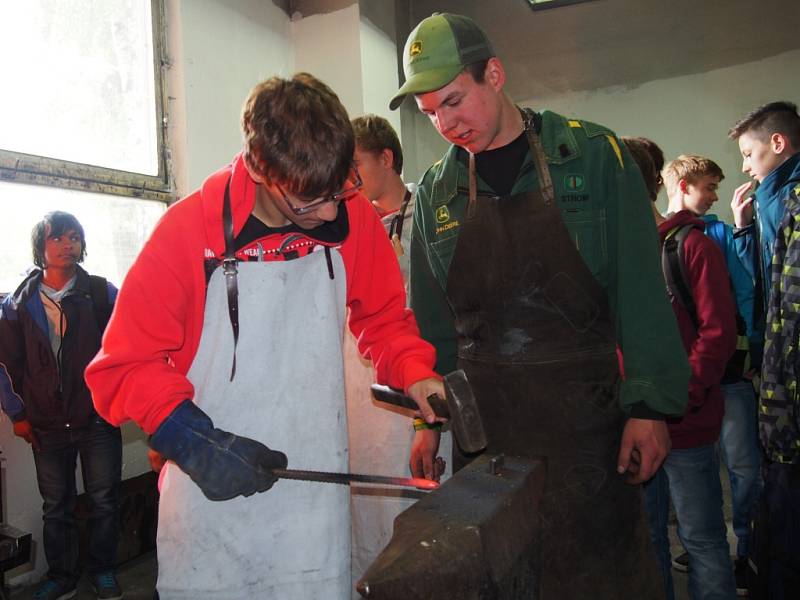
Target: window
{"points": [[82, 106], [82, 126]]}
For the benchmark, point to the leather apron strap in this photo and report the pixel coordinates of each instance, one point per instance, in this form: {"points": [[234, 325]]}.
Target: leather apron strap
{"points": [[230, 270]]}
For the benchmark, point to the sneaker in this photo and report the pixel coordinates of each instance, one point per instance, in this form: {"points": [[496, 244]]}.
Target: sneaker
{"points": [[740, 572], [54, 590], [681, 563], [106, 587]]}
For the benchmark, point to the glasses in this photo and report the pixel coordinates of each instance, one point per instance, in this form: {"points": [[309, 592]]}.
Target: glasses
{"points": [[340, 196]]}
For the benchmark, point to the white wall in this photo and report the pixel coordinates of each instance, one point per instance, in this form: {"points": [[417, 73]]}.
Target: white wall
{"points": [[689, 114], [225, 48], [379, 73], [328, 46]]}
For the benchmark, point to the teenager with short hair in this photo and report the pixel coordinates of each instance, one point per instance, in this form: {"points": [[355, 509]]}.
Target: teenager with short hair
{"points": [[689, 476], [379, 158], [692, 182], [50, 328], [769, 242], [532, 257]]}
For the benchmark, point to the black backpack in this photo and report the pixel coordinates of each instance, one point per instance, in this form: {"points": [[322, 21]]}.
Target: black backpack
{"points": [[678, 287], [98, 289]]}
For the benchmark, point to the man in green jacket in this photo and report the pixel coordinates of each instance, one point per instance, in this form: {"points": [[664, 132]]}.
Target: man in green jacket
{"points": [[534, 264]]}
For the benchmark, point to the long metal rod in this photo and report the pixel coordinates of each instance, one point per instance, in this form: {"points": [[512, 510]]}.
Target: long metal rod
{"points": [[348, 478]]}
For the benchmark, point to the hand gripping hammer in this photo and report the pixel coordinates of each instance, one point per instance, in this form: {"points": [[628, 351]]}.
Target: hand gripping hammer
{"points": [[459, 407]]}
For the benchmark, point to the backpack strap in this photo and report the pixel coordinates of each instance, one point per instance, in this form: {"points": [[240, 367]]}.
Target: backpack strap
{"points": [[679, 288], [98, 290], [672, 264]]}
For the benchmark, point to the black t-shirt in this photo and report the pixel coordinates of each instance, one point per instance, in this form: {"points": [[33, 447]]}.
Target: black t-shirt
{"points": [[254, 230], [331, 232], [500, 167]]}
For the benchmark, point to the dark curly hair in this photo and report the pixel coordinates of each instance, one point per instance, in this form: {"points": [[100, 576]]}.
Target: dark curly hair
{"points": [[297, 133], [58, 222]]}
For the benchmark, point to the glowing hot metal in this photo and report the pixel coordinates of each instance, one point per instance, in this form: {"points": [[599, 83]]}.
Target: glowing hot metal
{"points": [[348, 478]]}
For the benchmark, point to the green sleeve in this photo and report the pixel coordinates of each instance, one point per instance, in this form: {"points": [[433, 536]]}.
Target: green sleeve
{"points": [[656, 368], [426, 295]]}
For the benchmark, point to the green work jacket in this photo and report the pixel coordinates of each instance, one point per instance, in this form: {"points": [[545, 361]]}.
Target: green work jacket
{"points": [[607, 212]]}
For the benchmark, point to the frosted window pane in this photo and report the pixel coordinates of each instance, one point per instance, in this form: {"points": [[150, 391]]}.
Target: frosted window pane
{"points": [[116, 227], [79, 82]]}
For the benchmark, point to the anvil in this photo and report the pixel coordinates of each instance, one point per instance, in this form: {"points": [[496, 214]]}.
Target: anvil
{"points": [[475, 538]]}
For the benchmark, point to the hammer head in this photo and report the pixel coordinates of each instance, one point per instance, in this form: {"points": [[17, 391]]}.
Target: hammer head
{"points": [[464, 416], [458, 406]]}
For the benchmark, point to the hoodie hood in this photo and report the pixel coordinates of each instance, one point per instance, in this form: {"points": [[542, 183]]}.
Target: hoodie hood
{"points": [[242, 195], [679, 219]]}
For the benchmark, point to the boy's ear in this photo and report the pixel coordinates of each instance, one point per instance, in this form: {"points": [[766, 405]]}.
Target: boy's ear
{"points": [[387, 158], [778, 143], [495, 73], [683, 186]]}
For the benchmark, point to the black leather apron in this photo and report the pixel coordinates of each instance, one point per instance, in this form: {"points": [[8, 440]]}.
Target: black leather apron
{"points": [[537, 341]]}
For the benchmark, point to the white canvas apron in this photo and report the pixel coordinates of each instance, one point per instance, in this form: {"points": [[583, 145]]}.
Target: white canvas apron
{"points": [[292, 541]]}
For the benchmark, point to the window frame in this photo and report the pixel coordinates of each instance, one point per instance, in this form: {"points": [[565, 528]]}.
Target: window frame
{"points": [[42, 170]]}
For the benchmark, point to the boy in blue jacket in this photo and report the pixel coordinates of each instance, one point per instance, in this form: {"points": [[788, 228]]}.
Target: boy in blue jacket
{"points": [[769, 141], [768, 230]]}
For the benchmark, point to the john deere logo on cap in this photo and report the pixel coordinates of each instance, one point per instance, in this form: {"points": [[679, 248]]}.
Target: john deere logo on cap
{"points": [[442, 214], [416, 48], [574, 183]]}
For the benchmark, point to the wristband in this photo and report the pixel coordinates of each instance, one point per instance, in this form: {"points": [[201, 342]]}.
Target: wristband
{"points": [[420, 424]]}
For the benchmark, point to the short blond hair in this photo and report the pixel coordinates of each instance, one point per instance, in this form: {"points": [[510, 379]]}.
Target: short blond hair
{"points": [[691, 168]]}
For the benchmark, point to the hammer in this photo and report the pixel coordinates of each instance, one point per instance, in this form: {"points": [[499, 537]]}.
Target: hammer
{"points": [[459, 407]]}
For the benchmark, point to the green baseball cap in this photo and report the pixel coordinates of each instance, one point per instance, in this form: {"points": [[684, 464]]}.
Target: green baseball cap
{"points": [[437, 51]]}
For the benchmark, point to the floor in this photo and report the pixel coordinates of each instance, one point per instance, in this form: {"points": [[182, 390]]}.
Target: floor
{"points": [[138, 577]]}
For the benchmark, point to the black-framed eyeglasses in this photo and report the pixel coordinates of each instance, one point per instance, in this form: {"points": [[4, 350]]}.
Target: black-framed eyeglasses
{"points": [[340, 196]]}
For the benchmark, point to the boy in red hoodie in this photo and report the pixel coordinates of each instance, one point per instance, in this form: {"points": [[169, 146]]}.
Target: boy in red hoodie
{"points": [[690, 473], [227, 339]]}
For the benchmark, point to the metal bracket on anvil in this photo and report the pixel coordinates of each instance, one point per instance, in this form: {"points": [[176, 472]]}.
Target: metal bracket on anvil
{"points": [[475, 538]]}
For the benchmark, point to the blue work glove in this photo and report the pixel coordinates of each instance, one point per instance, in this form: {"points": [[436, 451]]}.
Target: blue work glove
{"points": [[222, 464]]}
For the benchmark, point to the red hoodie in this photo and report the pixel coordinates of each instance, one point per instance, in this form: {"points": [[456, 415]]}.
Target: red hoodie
{"points": [[711, 343], [151, 340]]}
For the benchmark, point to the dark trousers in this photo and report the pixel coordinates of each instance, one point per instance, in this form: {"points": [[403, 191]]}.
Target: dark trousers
{"points": [[100, 448], [782, 497]]}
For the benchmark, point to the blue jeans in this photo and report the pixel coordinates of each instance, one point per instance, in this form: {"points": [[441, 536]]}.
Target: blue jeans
{"points": [[691, 478], [738, 443], [100, 449]]}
